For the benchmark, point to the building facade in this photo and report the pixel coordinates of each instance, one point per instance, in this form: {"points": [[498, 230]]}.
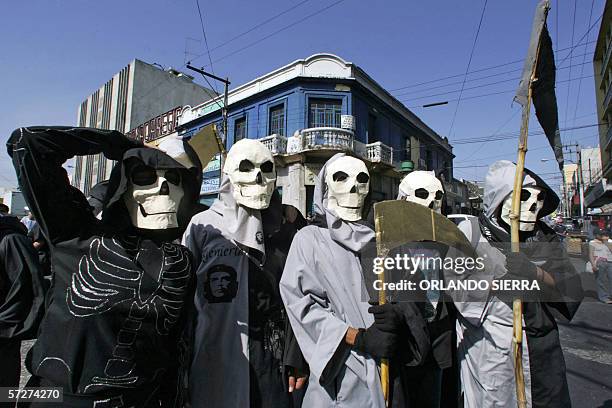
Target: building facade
{"points": [[602, 65], [128, 102], [313, 108]]}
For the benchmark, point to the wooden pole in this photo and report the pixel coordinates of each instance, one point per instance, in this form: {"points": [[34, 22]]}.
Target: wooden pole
{"points": [[382, 299], [517, 304]]}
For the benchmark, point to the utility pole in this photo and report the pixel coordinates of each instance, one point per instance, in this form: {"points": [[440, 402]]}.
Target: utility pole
{"points": [[224, 111], [580, 178]]}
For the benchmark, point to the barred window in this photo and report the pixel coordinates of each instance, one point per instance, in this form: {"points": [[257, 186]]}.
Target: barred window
{"points": [[324, 113], [240, 129], [277, 120]]}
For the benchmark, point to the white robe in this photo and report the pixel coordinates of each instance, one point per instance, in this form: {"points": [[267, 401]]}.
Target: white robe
{"points": [[324, 293]]}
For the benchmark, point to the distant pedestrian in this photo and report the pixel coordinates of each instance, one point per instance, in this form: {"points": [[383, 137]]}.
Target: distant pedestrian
{"points": [[601, 259], [28, 220]]}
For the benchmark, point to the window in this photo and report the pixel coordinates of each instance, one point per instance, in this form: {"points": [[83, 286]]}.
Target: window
{"points": [[239, 129], [324, 113], [407, 152], [372, 136], [428, 160], [277, 120]]}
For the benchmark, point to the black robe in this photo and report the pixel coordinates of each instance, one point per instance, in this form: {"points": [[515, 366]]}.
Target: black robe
{"points": [[21, 296], [111, 334]]}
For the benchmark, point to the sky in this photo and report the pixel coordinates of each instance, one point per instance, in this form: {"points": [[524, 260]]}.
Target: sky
{"points": [[56, 52]]}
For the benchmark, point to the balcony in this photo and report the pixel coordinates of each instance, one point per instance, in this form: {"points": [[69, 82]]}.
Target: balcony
{"points": [[277, 144], [379, 153], [327, 138]]}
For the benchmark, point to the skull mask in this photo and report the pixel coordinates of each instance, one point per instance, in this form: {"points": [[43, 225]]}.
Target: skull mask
{"points": [[348, 183], [422, 187], [532, 201], [153, 197], [250, 168]]}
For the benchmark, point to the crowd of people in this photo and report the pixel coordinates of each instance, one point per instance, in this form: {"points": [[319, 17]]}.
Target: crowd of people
{"points": [[155, 301]]}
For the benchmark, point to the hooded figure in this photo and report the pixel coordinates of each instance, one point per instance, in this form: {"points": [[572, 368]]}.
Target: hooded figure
{"points": [[21, 296], [484, 326], [425, 382], [327, 301], [240, 323], [115, 312]]}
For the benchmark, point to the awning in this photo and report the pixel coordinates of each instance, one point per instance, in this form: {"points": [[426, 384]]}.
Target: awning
{"points": [[598, 194]]}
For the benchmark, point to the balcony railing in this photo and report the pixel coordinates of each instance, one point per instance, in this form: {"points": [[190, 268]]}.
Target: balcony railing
{"points": [[606, 104], [327, 138], [277, 144], [379, 153]]}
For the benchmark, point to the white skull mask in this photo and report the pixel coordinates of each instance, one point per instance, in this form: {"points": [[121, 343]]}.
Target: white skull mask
{"points": [[251, 171], [532, 201], [422, 187], [348, 184], [153, 197]]}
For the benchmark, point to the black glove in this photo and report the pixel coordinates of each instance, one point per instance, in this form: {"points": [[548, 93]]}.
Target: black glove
{"points": [[387, 318], [376, 343], [518, 265]]}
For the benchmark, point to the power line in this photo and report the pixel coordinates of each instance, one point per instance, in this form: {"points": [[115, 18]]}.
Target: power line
{"points": [[473, 87], [585, 34], [293, 24], [242, 34], [467, 68], [582, 68], [497, 93], [472, 72], [206, 43], [488, 76], [570, 71]]}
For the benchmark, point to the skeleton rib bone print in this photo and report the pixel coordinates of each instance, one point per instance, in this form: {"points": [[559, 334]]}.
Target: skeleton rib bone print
{"points": [[104, 279], [111, 274]]}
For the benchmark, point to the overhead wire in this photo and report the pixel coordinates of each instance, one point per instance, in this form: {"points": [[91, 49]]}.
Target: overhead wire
{"points": [[582, 68], [450, 131], [253, 28], [286, 27], [570, 71], [207, 48]]}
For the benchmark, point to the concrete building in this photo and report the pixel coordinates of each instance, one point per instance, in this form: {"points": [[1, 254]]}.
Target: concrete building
{"points": [[14, 200], [313, 108], [130, 100], [602, 65]]}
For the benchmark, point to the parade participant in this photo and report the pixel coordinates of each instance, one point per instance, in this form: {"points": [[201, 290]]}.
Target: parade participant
{"points": [[425, 390], [121, 286], [240, 326], [324, 291], [484, 326], [21, 295]]}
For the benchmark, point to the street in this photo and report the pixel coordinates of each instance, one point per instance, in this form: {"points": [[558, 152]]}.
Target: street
{"points": [[586, 342], [587, 346]]}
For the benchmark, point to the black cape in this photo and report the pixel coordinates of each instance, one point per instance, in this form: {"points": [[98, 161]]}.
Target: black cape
{"points": [[114, 320]]}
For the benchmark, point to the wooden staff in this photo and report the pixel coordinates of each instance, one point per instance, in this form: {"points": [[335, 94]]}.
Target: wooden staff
{"points": [[517, 304], [382, 299]]}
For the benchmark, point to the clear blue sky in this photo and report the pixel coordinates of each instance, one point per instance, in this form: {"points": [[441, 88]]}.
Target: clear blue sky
{"points": [[55, 52]]}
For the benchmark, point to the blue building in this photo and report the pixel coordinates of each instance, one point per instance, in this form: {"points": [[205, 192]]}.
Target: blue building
{"points": [[307, 111]]}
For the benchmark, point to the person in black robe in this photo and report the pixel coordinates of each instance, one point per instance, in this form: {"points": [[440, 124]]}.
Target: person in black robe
{"points": [[485, 325], [21, 296], [112, 332]]}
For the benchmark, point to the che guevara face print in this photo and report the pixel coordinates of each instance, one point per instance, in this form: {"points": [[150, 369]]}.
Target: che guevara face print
{"points": [[221, 284]]}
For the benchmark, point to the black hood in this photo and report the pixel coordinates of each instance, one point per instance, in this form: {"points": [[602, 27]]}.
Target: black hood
{"points": [[11, 225], [114, 213]]}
